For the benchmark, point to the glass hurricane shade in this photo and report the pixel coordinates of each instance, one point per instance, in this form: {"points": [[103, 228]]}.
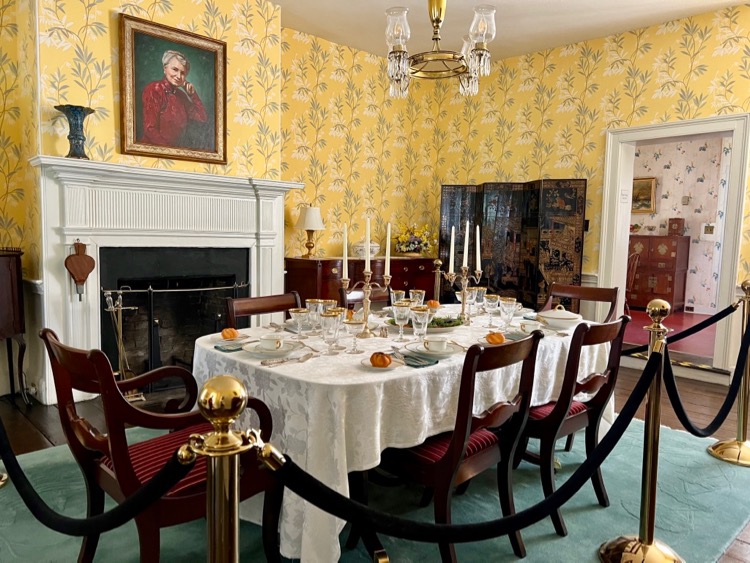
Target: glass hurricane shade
{"points": [[310, 221], [402, 67]]}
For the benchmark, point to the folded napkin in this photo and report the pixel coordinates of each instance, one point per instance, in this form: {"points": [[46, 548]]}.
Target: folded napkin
{"points": [[228, 347], [416, 361]]}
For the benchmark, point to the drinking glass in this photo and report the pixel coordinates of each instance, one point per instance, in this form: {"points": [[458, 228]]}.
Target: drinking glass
{"points": [[471, 297], [313, 305], [417, 296], [420, 317], [508, 308], [401, 311], [397, 295], [491, 302], [342, 314], [326, 304], [354, 327], [481, 291], [299, 315], [329, 323]]}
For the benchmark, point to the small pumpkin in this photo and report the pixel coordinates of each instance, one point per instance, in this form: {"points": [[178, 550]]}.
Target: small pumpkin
{"points": [[495, 338], [380, 360], [229, 333], [433, 304]]}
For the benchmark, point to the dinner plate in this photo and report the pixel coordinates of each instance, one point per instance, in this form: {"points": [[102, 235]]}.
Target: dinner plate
{"points": [[286, 348], [512, 336], [365, 363], [418, 348]]}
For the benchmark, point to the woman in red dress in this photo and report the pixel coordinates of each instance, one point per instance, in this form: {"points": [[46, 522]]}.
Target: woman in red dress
{"points": [[170, 104]]}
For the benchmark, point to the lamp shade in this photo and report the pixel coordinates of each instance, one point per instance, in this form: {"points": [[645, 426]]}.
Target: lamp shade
{"points": [[310, 219]]}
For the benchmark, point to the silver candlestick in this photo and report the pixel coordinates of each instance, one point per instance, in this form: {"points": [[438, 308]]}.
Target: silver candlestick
{"points": [[366, 286], [464, 280]]}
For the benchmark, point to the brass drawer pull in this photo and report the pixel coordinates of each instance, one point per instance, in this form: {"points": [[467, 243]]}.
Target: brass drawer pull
{"points": [[334, 270], [421, 268], [406, 268]]}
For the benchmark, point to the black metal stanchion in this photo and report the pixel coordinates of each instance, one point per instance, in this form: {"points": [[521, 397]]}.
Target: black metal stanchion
{"points": [[644, 548], [738, 451]]}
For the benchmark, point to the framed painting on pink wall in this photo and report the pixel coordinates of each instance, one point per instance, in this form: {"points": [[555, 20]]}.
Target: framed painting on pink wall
{"points": [[644, 195], [172, 92]]}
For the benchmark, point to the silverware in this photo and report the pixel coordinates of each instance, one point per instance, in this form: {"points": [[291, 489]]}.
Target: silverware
{"points": [[279, 361], [308, 346], [464, 348], [413, 359]]}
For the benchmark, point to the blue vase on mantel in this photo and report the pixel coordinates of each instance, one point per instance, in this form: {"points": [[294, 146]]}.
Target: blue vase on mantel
{"points": [[75, 116]]}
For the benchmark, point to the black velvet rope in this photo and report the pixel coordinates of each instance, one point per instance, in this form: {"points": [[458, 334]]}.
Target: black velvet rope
{"points": [[167, 477], [323, 497], [670, 384], [687, 332]]}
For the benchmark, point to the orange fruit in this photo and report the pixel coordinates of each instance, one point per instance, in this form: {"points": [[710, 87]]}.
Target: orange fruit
{"points": [[495, 338]]}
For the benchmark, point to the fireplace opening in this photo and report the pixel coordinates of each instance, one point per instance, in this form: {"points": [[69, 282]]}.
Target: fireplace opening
{"points": [[162, 299]]}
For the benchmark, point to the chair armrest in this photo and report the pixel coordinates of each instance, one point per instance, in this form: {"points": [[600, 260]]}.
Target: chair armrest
{"points": [[591, 384], [134, 416], [173, 405], [89, 436], [497, 415]]}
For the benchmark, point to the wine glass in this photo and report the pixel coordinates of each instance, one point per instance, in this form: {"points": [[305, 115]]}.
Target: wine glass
{"points": [[313, 305], [401, 311], [471, 297], [491, 302], [354, 327], [420, 316], [508, 308], [329, 323], [481, 291], [299, 315], [342, 314], [417, 296], [397, 295]]}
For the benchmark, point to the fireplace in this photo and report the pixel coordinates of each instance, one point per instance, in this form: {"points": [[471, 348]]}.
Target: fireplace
{"points": [[113, 208]]}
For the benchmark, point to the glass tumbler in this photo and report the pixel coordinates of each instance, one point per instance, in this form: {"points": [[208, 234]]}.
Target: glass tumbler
{"points": [[420, 318], [299, 315]]}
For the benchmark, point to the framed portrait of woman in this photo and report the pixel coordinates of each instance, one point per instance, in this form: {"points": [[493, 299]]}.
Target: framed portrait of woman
{"points": [[644, 195], [172, 92]]}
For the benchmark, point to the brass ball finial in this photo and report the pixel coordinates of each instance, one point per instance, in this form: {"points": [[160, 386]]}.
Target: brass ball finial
{"points": [[658, 310], [222, 399]]}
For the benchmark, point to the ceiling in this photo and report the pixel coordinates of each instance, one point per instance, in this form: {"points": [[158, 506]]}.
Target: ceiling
{"points": [[523, 26]]}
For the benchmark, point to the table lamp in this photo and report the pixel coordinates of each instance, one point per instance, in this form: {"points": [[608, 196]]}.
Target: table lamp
{"points": [[310, 221]]}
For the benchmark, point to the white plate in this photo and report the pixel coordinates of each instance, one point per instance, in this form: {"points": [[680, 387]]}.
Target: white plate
{"points": [[509, 337], [418, 348], [219, 340], [285, 349], [525, 311], [365, 363]]}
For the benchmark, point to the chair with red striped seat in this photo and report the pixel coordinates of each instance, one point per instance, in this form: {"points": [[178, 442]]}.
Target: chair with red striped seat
{"points": [[580, 404], [109, 464], [476, 443]]}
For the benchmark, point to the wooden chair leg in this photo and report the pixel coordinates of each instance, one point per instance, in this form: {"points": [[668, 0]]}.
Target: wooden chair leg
{"points": [[427, 495], [148, 537], [443, 516], [592, 431], [520, 452], [505, 492], [547, 472], [94, 507], [569, 442]]}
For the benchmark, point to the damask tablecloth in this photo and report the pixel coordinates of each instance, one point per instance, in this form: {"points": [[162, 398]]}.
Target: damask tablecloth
{"points": [[334, 416]]}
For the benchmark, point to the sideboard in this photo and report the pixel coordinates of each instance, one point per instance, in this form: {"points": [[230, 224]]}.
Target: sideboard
{"points": [[662, 270], [321, 277]]}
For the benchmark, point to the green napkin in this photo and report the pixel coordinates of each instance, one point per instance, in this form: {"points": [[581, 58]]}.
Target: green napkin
{"points": [[416, 361]]}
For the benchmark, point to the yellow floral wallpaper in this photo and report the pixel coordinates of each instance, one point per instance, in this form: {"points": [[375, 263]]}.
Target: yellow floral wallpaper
{"points": [[301, 108], [542, 115]]}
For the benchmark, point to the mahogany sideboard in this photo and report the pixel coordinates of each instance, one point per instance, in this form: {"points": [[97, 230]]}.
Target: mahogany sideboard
{"points": [[321, 277], [662, 269]]}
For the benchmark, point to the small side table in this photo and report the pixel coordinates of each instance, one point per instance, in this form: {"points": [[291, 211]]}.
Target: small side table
{"points": [[12, 323]]}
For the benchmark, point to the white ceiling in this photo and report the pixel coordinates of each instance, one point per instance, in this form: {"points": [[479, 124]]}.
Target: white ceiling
{"points": [[523, 26]]}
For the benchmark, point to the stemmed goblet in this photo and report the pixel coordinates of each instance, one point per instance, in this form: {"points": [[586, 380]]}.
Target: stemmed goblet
{"points": [[508, 308], [490, 304], [417, 296], [314, 306], [329, 323], [354, 327], [401, 311], [481, 291], [397, 295], [471, 297], [299, 315], [420, 317], [342, 314]]}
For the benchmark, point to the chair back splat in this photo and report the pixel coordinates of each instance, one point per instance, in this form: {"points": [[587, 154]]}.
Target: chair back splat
{"points": [[570, 297], [110, 465], [241, 307]]}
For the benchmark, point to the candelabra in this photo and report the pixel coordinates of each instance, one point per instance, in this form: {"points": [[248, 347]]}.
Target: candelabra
{"points": [[464, 280], [366, 286]]}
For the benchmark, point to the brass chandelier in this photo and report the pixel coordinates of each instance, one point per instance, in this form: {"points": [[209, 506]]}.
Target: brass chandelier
{"points": [[473, 60]]}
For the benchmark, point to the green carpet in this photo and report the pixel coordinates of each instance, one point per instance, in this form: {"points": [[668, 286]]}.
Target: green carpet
{"points": [[699, 511]]}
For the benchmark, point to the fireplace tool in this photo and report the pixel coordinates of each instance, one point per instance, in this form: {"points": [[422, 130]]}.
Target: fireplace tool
{"points": [[115, 309]]}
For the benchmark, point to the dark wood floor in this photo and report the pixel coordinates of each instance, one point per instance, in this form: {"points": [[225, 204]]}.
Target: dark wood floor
{"points": [[35, 428]]}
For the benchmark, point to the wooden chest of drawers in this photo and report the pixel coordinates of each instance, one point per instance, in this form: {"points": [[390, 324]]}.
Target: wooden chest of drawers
{"points": [[321, 278], [662, 270]]}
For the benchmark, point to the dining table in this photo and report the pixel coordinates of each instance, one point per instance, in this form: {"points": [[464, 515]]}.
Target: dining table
{"points": [[334, 415]]}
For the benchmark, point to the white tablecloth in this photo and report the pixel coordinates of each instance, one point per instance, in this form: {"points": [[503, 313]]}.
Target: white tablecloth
{"points": [[333, 416]]}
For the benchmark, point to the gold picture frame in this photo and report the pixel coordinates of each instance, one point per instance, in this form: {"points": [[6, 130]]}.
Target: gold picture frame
{"points": [[172, 92], [644, 195]]}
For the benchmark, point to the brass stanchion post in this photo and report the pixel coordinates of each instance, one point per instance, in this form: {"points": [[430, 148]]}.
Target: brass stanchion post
{"points": [[222, 399], [738, 451], [644, 548]]}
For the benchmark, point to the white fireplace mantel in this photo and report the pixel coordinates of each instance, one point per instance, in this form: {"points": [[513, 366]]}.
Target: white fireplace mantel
{"points": [[113, 205]]}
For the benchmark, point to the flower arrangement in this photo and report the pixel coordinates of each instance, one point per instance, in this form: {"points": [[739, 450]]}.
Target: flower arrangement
{"points": [[414, 239]]}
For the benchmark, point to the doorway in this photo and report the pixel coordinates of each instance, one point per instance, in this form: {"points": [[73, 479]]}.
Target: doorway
{"points": [[616, 207]]}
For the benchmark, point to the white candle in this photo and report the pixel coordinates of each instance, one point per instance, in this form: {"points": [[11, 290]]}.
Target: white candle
{"points": [[388, 250], [479, 254], [466, 247], [453, 243], [367, 245], [345, 240]]}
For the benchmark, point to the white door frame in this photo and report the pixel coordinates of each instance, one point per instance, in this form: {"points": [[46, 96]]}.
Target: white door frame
{"points": [[617, 195]]}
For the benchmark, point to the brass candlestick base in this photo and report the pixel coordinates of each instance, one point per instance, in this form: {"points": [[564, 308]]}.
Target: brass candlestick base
{"points": [[366, 286], [731, 451], [632, 550]]}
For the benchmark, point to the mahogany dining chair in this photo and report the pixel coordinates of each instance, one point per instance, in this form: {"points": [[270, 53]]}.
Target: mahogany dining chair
{"points": [[240, 307]]}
